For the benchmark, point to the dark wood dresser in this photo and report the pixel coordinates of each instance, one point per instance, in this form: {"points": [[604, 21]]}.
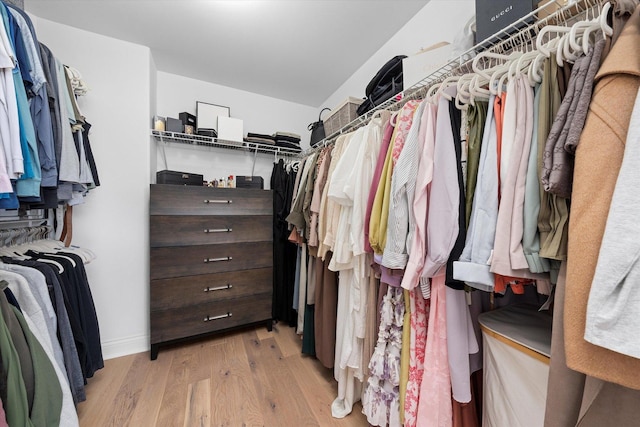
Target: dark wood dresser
{"points": [[211, 260]]}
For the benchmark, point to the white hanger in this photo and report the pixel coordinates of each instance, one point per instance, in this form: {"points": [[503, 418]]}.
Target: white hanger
{"points": [[476, 88], [445, 84], [463, 96], [547, 30]]}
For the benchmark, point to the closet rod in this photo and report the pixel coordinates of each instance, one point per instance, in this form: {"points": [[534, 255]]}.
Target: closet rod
{"points": [[519, 33]]}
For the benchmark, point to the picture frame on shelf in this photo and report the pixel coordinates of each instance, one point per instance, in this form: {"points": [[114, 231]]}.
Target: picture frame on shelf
{"points": [[207, 116]]}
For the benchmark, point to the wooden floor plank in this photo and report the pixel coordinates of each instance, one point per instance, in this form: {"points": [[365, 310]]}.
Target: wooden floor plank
{"points": [[198, 405], [288, 341], [130, 391], [273, 380], [263, 333], [234, 397], [148, 407], [172, 408], [108, 380]]}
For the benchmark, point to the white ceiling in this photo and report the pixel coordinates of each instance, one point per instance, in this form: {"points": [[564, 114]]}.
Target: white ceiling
{"points": [[297, 50]]}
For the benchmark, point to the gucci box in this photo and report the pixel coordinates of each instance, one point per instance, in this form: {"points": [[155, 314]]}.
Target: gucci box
{"points": [[494, 15]]}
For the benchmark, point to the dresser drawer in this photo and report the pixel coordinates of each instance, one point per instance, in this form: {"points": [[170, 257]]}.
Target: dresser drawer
{"points": [[205, 230], [185, 200], [179, 261], [191, 290], [208, 317]]}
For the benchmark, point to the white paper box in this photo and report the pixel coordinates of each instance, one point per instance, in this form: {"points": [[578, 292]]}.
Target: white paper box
{"points": [[230, 129], [417, 67]]}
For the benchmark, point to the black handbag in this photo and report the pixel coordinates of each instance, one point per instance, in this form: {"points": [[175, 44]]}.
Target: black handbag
{"points": [[386, 83], [317, 129]]}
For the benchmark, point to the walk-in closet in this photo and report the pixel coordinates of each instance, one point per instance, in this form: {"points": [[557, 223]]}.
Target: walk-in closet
{"points": [[410, 213]]}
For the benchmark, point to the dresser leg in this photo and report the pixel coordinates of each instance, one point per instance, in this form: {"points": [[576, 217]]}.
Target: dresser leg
{"points": [[269, 325], [155, 348]]}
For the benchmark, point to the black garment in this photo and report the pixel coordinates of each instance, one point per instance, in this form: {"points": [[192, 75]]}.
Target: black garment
{"points": [[75, 285], [48, 199], [284, 252], [69, 351], [458, 247], [12, 299], [89, 153]]}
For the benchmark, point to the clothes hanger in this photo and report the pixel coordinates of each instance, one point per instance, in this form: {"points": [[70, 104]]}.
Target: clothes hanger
{"points": [[445, 84], [477, 90], [463, 94]]}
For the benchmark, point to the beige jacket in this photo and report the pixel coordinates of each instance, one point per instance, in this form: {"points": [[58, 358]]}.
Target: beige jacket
{"points": [[598, 159]]}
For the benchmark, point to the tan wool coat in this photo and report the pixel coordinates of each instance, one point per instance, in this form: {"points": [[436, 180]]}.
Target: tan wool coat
{"points": [[598, 159]]}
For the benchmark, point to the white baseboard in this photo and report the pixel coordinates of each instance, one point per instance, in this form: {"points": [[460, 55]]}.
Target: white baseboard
{"points": [[125, 346]]}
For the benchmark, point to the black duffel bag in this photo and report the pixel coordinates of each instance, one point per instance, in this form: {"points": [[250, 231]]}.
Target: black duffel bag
{"points": [[386, 83]]}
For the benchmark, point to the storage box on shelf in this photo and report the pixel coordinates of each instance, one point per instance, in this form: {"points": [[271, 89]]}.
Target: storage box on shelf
{"points": [[342, 115]]}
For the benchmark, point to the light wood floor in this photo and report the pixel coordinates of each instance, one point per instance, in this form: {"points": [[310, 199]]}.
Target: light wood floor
{"points": [[247, 378]]}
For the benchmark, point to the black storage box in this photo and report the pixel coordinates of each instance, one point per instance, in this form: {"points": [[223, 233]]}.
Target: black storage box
{"points": [[250, 182], [494, 15], [178, 178], [211, 133], [174, 125], [188, 119]]}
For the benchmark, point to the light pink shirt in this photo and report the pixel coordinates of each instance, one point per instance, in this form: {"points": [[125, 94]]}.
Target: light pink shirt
{"points": [[444, 195], [420, 202]]}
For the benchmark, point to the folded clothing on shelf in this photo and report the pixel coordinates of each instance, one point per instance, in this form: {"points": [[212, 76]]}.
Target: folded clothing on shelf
{"points": [[290, 137], [288, 144], [259, 138], [287, 140]]}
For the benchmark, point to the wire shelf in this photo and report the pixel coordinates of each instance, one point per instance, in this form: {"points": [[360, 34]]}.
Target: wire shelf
{"points": [[515, 36], [205, 141]]}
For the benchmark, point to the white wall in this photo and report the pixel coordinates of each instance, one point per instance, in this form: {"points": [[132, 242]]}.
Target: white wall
{"points": [[114, 221], [438, 20], [260, 114]]}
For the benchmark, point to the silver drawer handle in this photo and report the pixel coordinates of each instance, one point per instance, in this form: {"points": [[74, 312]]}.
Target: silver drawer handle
{"points": [[218, 288], [224, 258], [222, 316], [224, 202], [218, 230]]}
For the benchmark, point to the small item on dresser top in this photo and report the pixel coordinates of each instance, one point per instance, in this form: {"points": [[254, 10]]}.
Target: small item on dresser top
{"points": [[188, 129], [249, 182], [178, 178], [159, 123], [174, 125], [230, 182], [187, 119]]}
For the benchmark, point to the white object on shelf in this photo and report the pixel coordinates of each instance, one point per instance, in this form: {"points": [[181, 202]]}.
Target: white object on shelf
{"points": [[425, 62], [230, 129]]}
